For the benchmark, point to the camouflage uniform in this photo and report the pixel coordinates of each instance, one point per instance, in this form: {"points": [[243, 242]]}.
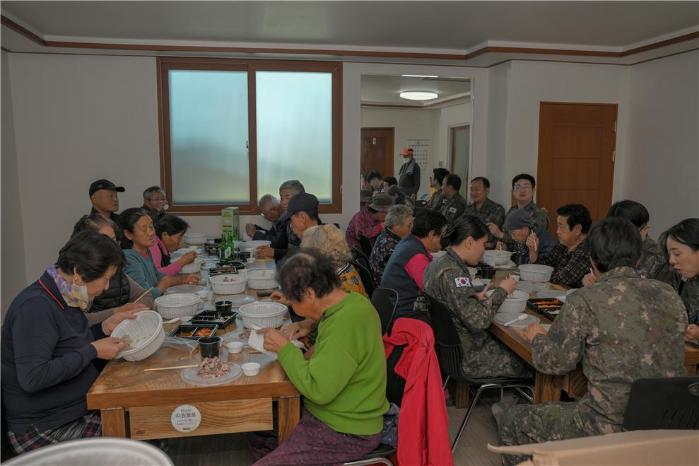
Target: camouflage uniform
{"points": [[689, 292], [452, 208], [435, 200], [490, 212], [622, 328], [448, 281], [653, 263]]}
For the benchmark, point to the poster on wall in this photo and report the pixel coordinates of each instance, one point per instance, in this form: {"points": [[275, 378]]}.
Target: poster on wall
{"points": [[421, 151]]}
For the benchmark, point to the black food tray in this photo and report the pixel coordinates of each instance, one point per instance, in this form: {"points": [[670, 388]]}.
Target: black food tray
{"points": [[222, 319], [191, 329], [549, 307]]}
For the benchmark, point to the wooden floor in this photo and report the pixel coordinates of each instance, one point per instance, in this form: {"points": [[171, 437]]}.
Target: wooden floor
{"points": [[231, 450]]}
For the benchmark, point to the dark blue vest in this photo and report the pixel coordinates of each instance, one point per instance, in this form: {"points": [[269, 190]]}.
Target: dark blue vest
{"points": [[396, 278]]}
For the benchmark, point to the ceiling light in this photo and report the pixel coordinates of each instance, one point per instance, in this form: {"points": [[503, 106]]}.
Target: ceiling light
{"points": [[419, 76], [418, 95]]}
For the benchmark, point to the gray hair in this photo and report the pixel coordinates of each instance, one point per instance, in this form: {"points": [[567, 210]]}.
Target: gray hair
{"points": [[397, 215], [152, 190], [294, 185], [267, 199]]}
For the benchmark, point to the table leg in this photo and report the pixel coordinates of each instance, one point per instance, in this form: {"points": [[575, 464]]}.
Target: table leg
{"points": [[113, 422], [288, 415], [546, 388]]}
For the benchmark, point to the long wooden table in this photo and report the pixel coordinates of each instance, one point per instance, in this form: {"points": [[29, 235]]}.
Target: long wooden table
{"points": [[139, 404], [548, 387]]}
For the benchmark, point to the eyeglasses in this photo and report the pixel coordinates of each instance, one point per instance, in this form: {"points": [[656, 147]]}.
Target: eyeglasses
{"points": [[157, 199]]}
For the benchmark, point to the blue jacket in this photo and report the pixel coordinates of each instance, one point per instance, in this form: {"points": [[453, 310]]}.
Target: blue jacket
{"points": [[46, 359]]}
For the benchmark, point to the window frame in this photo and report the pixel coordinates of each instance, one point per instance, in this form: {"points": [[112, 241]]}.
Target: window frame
{"points": [[165, 64]]}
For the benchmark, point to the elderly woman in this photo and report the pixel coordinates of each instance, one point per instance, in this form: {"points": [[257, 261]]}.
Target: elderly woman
{"points": [[398, 223], [343, 384], [48, 346], [122, 290], [682, 242], [139, 236], [169, 232], [330, 241]]}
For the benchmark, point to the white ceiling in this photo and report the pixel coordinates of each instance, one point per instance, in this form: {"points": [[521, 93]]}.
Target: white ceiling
{"points": [[435, 25], [385, 90]]}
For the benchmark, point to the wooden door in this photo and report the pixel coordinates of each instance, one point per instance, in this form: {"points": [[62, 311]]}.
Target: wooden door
{"points": [[576, 156], [378, 151], [460, 147]]}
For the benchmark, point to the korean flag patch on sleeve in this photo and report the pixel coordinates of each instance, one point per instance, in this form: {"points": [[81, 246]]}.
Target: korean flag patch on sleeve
{"points": [[462, 281]]}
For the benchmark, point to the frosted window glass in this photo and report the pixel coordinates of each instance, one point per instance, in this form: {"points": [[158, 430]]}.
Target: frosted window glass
{"points": [[294, 131], [208, 137]]}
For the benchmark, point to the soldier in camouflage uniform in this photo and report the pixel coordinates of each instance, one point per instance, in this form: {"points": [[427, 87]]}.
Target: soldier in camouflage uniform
{"points": [[654, 261], [523, 191], [447, 280], [484, 208], [682, 241], [453, 204], [621, 329]]}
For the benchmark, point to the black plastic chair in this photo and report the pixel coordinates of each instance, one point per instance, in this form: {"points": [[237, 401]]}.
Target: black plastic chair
{"points": [[361, 263], [384, 300], [450, 356], [366, 245], [663, 403]]}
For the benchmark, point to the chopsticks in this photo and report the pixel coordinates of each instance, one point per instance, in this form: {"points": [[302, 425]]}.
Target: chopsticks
{"points": [[186, 366], [142, 295]]}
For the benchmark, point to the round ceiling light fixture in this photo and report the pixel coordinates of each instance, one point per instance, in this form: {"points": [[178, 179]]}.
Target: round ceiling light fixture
{"points": [[418, 95]]}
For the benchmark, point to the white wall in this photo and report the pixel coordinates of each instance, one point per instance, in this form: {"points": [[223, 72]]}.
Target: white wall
{"points": [[662, 163], [498, 132], [12, 255], [529, 83], [407, 124], [450, 116]]}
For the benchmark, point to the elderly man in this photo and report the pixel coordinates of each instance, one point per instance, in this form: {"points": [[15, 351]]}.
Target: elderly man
{"points": [[520, 226], [409, 174], [303, 213], [368, 222], [281, 234], [398, 223], [622, 328], [155, 202], [270, 211], [105, 200], [523, 191], [571, 258]]}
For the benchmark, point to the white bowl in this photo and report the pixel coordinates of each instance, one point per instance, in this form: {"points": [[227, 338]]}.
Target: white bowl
{"points": [[514, 304], [178, 305], [192, 267], [251, 369], [230, 283], [262, 279], [193, 238], [495, 257], [145, 333], [262, 314], [190, 289], [234, 346], [535, 272]]}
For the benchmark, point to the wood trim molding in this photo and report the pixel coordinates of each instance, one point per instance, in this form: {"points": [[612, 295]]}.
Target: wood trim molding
{"points": [[342, 52]]}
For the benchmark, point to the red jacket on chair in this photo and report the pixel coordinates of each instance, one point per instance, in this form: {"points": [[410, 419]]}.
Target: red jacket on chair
{"points": [[423, 425]]}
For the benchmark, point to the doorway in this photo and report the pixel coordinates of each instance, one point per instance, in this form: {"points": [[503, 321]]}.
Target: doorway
{"points": [[460, 143], [377, 151], [577, 145]]}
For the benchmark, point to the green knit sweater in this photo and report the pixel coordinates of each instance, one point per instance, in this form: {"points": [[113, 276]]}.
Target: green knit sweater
{"points": [[142, 270], [344, 382]]}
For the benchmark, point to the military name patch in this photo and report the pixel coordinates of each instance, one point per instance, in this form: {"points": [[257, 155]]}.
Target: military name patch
{"points": [[462, 281]]}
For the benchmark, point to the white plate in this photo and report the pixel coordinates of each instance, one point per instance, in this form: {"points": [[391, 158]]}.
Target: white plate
{"points": [[521, 323], [191, 375]]}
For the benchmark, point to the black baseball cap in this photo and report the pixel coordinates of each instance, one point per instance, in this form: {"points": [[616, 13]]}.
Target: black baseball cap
{"points": [[302, 202], [105, 184]]}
